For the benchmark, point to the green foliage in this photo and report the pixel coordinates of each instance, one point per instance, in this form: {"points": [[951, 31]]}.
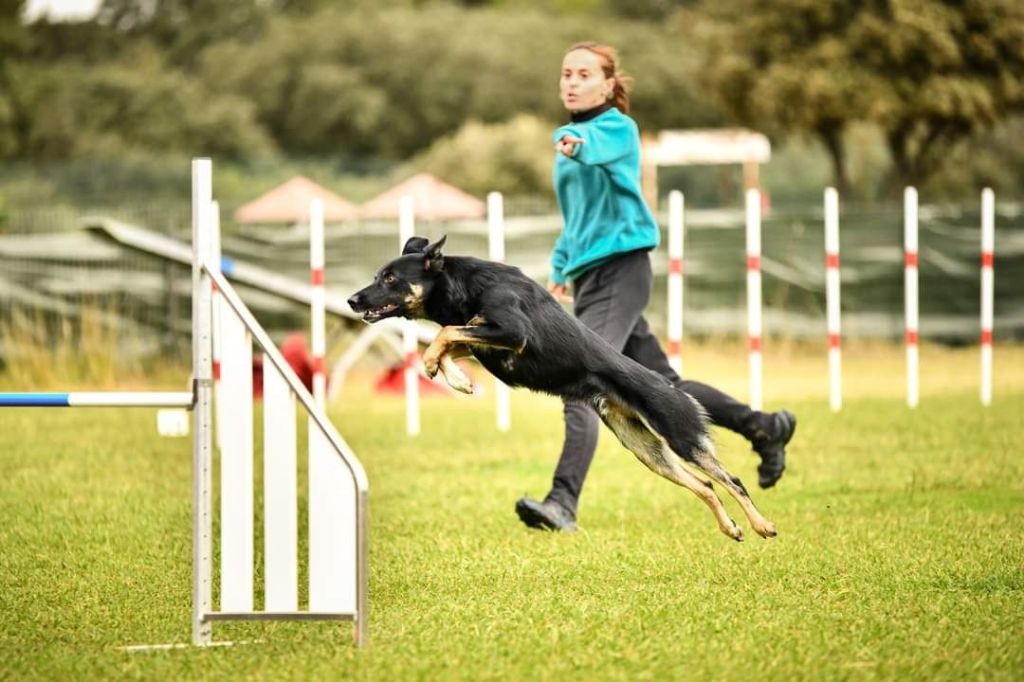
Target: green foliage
{"points": [[359, 81], [71, 110], [987, 159], [369, 83], [929, 73], [514, 156]]}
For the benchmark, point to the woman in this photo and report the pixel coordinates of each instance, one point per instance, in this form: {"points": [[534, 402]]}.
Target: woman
{"points": [[603, 251]]}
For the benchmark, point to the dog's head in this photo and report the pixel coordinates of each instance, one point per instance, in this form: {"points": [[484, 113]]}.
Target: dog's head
{"points": [[401, 287]]}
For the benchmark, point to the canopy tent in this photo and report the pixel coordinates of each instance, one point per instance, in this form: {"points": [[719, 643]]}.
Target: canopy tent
{"points": [[433, 200], [289, 203]]}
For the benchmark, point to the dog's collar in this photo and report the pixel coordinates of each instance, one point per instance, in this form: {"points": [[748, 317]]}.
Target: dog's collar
{"points": [[581, 116]]}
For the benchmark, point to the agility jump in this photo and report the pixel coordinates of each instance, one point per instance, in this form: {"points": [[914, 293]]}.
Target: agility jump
{"points": [[338, 489]]}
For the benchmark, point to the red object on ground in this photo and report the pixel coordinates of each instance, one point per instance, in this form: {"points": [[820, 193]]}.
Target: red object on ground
{"points": [[393, 381], [293, 348]]}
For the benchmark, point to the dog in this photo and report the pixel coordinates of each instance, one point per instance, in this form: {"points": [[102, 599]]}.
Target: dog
{"points": [[524, 337]]}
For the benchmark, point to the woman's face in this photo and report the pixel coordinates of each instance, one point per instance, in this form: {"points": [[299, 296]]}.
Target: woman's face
{"points": [[583, 85]]}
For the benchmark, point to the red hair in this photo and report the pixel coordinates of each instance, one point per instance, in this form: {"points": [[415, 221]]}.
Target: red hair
{"points": [[610, 65]]}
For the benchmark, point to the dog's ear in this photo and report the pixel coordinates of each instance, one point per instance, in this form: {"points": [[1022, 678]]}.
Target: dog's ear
{"points": [[415, 245], [434, 258]]}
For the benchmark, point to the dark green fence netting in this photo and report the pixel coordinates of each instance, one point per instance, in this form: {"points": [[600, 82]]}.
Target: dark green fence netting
{"points": [[50, 268]]}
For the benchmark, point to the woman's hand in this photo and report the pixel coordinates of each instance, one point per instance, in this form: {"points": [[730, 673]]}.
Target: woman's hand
{"points": [[560, 292], [567, 145]]}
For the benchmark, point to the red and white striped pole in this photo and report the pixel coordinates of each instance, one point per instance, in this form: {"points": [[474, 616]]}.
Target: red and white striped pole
{"points": [[754, 297], [675, 280], [496, 242], [988, 221], [317, 299], [910, 291], [406, 230], [835, 372]]}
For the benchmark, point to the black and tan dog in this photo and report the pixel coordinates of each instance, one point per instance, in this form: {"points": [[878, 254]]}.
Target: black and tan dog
{"points": [[524, 337]]}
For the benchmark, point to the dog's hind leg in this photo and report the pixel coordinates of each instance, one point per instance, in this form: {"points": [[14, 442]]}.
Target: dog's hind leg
{"points": [[704, 457], [655, 454]]}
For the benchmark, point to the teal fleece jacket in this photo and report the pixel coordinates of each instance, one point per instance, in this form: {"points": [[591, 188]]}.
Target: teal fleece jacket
{"points": [[598, 190]]}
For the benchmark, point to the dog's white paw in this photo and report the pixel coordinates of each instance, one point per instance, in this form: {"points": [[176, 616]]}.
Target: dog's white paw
{"points": [[460, 383], [455, 377]]}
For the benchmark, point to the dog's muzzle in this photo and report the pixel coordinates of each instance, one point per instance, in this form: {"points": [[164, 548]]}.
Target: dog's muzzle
{"points": [[370, 314]]}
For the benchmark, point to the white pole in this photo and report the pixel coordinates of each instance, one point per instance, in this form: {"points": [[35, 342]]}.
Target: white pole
{"points": [[754, 297], [215, 258], [910, 289], [317, 299], [202, 373], [675, 279], [832, 298], [496, 239], [988, 221], [406, 229]]}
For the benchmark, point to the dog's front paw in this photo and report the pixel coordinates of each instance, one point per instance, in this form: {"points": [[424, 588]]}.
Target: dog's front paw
{"points": [[431, 364]]}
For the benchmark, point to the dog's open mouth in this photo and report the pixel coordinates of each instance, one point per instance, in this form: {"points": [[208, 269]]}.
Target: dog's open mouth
{"points": [[374, 314]]}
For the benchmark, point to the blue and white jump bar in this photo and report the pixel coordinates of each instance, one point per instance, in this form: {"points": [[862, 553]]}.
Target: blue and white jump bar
{"points": [[109, 399]]}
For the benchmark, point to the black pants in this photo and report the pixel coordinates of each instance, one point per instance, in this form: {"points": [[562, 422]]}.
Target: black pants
{"points": [[610, 299]]}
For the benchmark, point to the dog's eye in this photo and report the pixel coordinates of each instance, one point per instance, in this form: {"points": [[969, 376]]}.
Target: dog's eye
{"points": [[389, 278]]}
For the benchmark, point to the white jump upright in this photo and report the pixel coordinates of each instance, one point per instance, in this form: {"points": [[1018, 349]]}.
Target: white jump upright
{"points": [[215, 261], [988, 221], [338, 522], [237, 533], [280, 492], [410, 347], [338, 489], [202, 377], [676, 242], [496, 250], [911, 292], [835, 371], [754, 297]]}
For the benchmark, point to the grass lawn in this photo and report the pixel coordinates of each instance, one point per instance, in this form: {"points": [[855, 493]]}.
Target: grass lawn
{"points": [[900, 551]]}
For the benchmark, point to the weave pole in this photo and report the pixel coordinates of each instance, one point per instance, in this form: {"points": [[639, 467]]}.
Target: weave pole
{"points": [[318, 299], [835, 372], [911, 292], [675, 279], [496, 248], [754, 297], [406, 229], [988, 221]]}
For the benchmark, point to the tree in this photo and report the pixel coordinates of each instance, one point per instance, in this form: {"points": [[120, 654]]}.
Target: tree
{"points": [[930, 73], [940, 72], [14, 42]]}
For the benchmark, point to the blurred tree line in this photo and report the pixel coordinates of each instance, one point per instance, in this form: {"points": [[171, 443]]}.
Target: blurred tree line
{"points": [[471, 87]]}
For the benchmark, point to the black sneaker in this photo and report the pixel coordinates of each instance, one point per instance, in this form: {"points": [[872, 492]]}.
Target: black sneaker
{"points": [[773, 448], [547, 515]]}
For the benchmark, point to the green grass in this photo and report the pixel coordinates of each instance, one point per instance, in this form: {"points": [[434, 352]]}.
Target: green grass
{"points": [[900, 553]]}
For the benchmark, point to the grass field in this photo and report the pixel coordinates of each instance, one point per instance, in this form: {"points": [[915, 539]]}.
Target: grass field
{"points": [[900, 553]]}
